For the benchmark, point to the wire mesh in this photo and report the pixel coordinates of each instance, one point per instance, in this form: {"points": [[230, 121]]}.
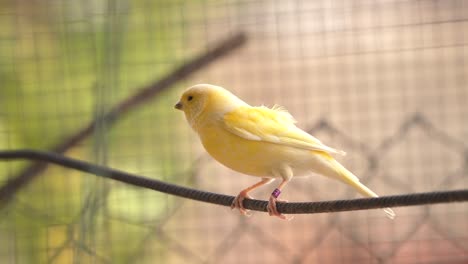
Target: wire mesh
{"points": [[386, 81]]}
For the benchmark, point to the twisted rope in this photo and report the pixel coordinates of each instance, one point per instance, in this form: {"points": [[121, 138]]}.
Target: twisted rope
{"points": [[226, 200]]}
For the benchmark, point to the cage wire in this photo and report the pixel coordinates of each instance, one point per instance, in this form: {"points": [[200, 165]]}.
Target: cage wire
{"points": [[386, 81]]}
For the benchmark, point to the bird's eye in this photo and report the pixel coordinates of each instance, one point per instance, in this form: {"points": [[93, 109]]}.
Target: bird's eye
{"points": [[189, 98]]}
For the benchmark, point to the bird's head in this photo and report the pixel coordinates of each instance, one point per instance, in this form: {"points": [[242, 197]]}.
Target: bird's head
{"points": [[206, 100]]}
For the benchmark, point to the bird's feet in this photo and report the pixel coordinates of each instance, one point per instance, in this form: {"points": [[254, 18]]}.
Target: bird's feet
{"points": [[238, 203], [273, 211]]}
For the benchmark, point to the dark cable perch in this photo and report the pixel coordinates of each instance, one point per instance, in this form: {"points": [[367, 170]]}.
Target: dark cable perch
{"points": [[143, 95], [226, 200]]}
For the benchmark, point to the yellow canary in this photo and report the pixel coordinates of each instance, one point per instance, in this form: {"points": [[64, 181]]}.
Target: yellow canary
{"points": [[260, 141]]}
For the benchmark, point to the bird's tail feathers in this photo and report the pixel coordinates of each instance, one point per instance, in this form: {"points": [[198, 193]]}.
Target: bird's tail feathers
{"points": [[350, 179]]}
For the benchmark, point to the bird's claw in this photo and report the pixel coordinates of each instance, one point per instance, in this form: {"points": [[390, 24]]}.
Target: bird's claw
{"points": [[273, 211], [238, 203]]}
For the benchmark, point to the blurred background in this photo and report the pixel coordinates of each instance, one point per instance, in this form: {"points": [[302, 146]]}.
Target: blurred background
{"points": [[384, 80]]}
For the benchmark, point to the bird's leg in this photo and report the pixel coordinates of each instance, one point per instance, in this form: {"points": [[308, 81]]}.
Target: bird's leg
{"points": [[272, 210], [238, 201]]}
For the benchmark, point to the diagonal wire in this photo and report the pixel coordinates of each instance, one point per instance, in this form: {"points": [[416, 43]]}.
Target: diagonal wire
{"points": [[226, 200], [143, 95]]}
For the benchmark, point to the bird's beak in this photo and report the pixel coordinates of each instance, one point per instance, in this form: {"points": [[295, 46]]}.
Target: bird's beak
{"points": [[178, 106]]}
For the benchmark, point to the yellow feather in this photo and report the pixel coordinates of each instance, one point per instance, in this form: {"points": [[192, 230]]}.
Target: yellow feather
{"points": [[259, 141], [271, 125]]}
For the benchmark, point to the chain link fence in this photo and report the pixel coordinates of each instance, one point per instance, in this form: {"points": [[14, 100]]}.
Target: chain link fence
{"points": [[386, 81]]}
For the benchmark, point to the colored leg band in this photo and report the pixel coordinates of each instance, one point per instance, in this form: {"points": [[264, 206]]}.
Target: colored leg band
{"points": [[276, 193]]}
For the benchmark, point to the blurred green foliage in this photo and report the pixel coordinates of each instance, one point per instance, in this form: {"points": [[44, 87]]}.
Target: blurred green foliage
{"points": [[63, 63]]}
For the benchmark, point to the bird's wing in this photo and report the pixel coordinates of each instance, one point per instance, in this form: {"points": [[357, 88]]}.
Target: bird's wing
{"points": [[273, 125]]}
